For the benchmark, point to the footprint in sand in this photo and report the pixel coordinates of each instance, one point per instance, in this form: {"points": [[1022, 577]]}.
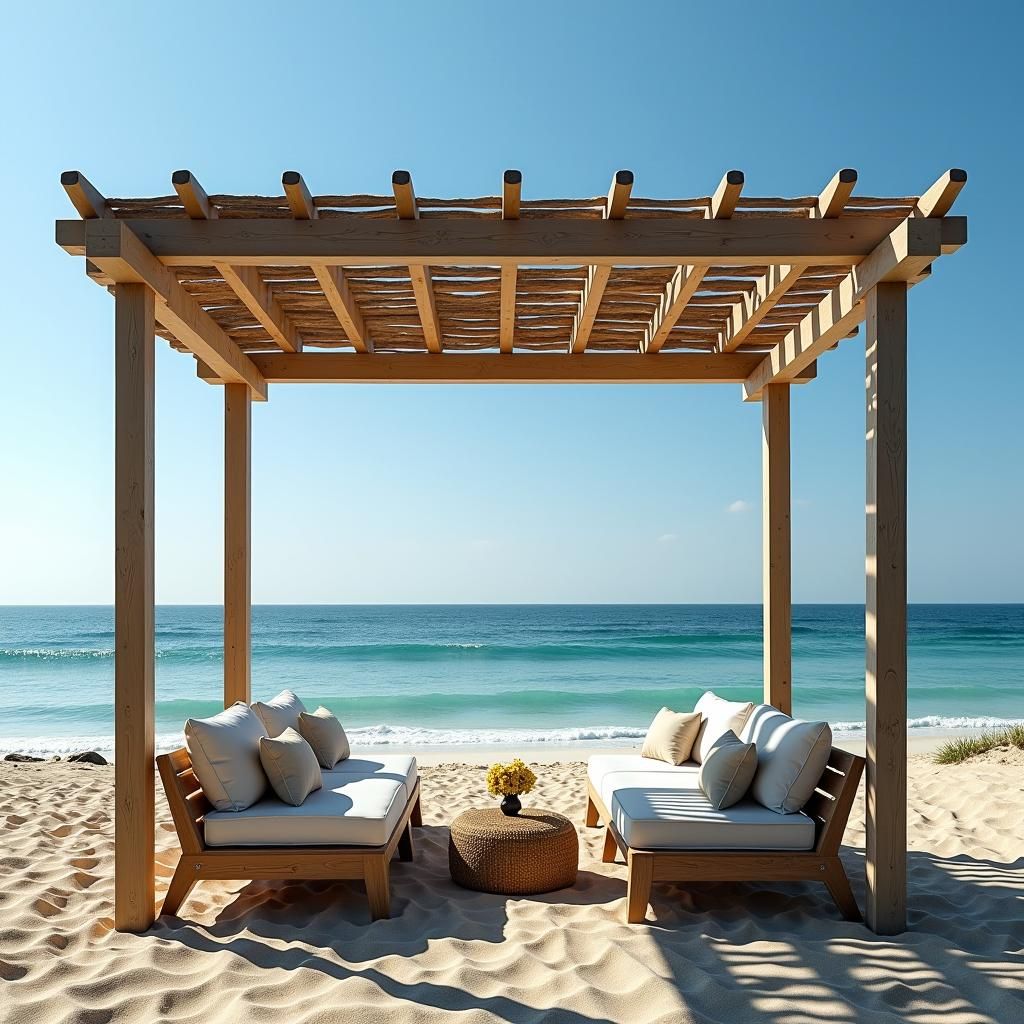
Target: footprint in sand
{"points": [[60, 832], [57, 941], [44, 908], [12, 972], [84, 863]]}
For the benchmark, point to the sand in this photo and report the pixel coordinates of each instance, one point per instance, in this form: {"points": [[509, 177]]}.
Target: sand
{"points": [[308, 954]]}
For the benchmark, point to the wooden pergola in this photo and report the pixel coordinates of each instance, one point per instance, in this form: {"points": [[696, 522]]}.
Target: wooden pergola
{"points": [[719, 289]]}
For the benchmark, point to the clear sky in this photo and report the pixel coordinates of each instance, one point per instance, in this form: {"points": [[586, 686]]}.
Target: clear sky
{"points": [[380, 494]]}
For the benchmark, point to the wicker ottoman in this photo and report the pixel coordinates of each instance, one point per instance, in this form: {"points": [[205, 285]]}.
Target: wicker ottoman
{"points": [[536, 851]]}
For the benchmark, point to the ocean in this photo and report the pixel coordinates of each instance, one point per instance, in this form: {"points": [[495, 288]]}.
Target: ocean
{"points": [[432, 676]]}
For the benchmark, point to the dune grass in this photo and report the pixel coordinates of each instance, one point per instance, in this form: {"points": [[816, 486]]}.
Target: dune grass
{"points": [[962, 747]]}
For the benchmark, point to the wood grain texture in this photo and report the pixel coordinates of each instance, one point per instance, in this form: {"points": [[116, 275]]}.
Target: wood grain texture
{"points": [[237, 543], [525, 368], [134, 654], [886, 608], [256, 295], [776, 548]]}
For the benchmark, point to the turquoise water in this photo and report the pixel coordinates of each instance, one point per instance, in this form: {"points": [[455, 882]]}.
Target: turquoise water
{"points": [[484, 674]]}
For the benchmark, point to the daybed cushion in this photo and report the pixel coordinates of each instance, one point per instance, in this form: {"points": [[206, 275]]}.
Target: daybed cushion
{"points": [[726, 773], [356, 812], [667, 810], [719, 716], [280, 713], [671, 735], [399, 768], [225, 753], [791, 755], [324, 733], [291, 766], [601, 765]]}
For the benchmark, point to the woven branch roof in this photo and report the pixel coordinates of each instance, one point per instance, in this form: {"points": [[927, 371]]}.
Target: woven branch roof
{"points": [[548, 300]]}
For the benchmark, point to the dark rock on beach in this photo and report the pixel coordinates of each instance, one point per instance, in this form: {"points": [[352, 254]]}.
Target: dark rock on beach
{"points": [[21, 757], [88, 757]]}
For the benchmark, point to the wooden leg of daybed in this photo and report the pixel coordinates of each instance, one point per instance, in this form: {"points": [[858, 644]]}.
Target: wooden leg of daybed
{"points": [[611, 848], [592, 815], [638, 886], [405, 844], [839, 886], [181, 885], [416, 817], [378, 889]]}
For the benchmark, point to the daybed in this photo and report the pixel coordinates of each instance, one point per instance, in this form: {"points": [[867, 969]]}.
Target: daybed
{"points": [[349, 827], [657, 815]]}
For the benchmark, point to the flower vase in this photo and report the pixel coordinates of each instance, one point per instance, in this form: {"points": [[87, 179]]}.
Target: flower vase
{"points": [[511, 805]]}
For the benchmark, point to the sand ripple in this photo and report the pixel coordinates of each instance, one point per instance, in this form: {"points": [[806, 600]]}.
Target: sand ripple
{"points": [[308, 954]]}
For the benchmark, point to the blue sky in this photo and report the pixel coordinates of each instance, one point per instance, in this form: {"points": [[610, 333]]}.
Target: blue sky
{"points": [[510, 494]]}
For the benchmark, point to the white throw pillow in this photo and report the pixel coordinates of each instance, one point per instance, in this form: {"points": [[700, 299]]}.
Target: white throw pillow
{"points": [[280, 713], [791, 755], [291, 766], [727, 771], [671, 735], [719, 716], [225, 752]]}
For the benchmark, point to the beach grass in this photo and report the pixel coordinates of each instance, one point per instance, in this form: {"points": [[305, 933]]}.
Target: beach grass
{"points": [[956, 750]]}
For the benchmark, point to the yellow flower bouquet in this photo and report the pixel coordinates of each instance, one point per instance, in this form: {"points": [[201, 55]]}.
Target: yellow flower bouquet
{"points": [[510, 781]]}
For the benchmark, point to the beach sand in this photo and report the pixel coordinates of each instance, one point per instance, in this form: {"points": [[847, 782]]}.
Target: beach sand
{"points": [[308, 954]]}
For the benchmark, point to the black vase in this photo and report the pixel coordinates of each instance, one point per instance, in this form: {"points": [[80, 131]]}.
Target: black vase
{"points": [[510, 805]]}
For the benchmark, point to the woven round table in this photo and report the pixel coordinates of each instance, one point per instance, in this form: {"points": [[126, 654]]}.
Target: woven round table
{"points": [[535, 851]]}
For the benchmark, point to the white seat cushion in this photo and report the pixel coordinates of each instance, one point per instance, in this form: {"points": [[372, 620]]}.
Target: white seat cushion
{"points": [[604, 764], [354, 812], [667, 811], [399, 768]]}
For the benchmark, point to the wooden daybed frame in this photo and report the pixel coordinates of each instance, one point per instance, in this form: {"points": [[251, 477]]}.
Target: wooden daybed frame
{"points": [[829, 806], [198, 861]]}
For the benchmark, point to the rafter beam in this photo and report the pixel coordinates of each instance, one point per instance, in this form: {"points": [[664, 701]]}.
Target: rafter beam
{"points": [[597, 276], [193, 196], [482, 242], [908, 250], [256, 296], [511, 188], [752, 309], [419, 273], [494, 368], [687, 279], [939, 199], [835, 194], [111, 246], [84, 196], [332, 280]]}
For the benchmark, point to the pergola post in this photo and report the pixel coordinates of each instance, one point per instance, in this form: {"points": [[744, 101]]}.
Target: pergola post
{"points": [[886, 608], [134, 665], [237, 542], [776, 543]]}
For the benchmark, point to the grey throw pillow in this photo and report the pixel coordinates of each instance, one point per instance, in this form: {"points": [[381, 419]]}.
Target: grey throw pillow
{"points": [[291, 766], [727, 770], [791, 755], [280, 713], [323, 732], [671, 735], [225, 752]]}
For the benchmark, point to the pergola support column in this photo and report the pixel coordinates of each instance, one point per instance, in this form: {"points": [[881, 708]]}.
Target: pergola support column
{"points": [[886, 608], [776, 544], [237, 542], [134, 664]]}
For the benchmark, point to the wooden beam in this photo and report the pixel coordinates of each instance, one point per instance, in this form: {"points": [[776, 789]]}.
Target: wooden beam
{"points": [[117, 252], [237, 543], [525, 368], [650, 241], [597, 276], [193, 196], [912, 245], [939, 199], [835, 194], [686, 280], [300, 199], [84, 196], [752, 309], [776, 553], [134, 653], [510, 196], [419, 273], [886, 609], [257, 297]]}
